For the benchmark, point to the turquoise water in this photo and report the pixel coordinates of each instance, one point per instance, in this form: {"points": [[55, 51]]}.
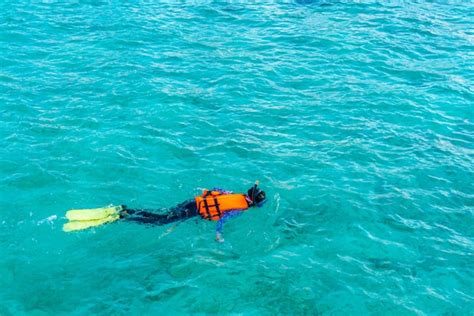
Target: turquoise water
{"points": [[357, 118]]}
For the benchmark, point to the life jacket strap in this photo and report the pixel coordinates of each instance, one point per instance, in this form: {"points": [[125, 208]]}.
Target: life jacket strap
{"points": [[216, 204], [207, 208]]}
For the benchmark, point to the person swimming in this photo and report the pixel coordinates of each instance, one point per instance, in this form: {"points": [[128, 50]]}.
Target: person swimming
{"points": [[215, 205]]}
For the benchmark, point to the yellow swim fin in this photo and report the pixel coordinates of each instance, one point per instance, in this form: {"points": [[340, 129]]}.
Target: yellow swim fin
{"points": [[81, 225], [93, 214]]}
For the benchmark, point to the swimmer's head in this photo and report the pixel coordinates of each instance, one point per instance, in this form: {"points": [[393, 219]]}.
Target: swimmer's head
{"points": [[257, 196]]}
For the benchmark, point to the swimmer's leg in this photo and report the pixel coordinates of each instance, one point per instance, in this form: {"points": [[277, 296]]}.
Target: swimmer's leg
{"points": [[180, 212]]}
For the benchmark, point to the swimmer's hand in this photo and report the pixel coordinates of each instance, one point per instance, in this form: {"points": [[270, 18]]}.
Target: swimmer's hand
{"points": [[219, 237]]}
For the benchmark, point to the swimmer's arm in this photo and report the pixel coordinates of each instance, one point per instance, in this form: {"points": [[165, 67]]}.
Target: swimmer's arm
{"points": [[221, 222]]}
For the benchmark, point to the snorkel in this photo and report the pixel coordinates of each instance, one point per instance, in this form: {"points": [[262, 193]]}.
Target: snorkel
{"points": [[254, 189]]}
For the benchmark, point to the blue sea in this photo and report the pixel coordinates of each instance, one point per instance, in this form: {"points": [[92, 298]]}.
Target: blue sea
{"points": [[356, 117]]}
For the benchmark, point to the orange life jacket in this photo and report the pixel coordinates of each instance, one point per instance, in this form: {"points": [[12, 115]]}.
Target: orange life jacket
{"points": [[212, 205]]}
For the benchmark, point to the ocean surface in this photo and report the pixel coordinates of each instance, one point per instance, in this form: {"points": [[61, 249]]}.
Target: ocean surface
{"points": [[356, 117]]}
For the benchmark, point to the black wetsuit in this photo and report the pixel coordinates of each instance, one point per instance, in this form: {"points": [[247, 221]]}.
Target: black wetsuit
{"points": [[180, 212]]}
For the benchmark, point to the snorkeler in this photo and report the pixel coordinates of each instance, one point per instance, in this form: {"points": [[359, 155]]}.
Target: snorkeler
{"points": [[215, 205]]}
